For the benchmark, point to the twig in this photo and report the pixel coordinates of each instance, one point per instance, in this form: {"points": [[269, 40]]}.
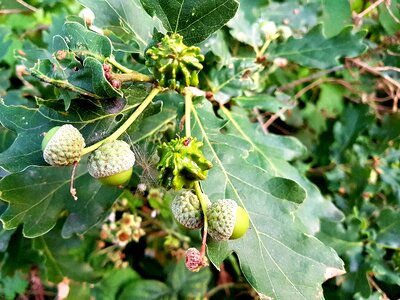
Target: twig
{"points": [[64, 84], [127, 123], [309, 78], [13, 11], [228, 285], [28, 6], [358, 17], [373, 70], [376, 286], [260, 119], [273, 118], [388, 3], [72, 190]]}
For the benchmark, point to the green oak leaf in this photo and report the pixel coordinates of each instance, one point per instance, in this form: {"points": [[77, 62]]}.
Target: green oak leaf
{"points": [[336, 15], [234, 79], [78, 63], [389, 228], [61, 256], [286, 189], [127, 16], [186, 284], [5, 42], [113, 283], [273, 152], [389, 16], [79, 38], [14, 285], [353, 121], [276, 233], [314, 50], [194, 20], [146, 289], [297, 15], [38, 195]]}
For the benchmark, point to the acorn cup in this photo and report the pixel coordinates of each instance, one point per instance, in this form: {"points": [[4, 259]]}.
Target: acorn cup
{"points": [[63, 145], [227, 220], [187, 210], [112, 163]]}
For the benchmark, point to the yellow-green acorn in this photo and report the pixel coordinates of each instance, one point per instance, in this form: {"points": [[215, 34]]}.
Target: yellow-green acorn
{"points": [[63, 145], [187, 210], [227, 220], [112, 163]]}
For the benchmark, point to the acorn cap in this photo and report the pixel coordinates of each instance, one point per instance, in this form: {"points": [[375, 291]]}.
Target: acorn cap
{"points": [[111, 158], [222, 216], [187, 210], [64, 147]]}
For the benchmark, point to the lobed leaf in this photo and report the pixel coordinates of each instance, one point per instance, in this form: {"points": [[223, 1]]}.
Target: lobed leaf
{"points": [[127, 15], [194, 20], [284, 261], [314, 50]]}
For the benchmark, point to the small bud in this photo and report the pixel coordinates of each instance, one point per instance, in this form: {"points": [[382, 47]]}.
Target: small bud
{"points": [[194, 261], [280, 62], [285, 32], [106, 67], [269, 29], [87, 15], [116, 83]]}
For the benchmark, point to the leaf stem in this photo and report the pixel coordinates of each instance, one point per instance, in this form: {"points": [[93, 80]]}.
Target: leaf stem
{"points": [[132, 76], [127, 123], [188, 105], [122, 68], [64, 85], [204, 207]]}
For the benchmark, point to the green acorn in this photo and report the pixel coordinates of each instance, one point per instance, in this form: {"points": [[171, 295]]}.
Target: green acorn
{"points": [[63, 145], [227, 220], [174, 64], [112, 163], [187, 210], [182, 163]]}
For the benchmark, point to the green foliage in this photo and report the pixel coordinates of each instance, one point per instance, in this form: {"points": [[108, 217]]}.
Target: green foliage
{"points": [[292, 114]]}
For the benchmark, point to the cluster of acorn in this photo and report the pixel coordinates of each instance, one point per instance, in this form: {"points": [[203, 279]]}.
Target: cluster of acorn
{"points": [[226, 220], [111, 163], [116, 84]]}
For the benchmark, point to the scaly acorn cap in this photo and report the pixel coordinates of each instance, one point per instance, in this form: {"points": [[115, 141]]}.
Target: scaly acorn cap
{"points": [[227, 220], [62, 146], [187, 210], [111, 158]]}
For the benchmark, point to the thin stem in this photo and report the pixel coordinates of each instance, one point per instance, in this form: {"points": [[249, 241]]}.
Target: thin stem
{"points": [[188, 105], [224, 286], [204, 206], [64, 85], [72, 190], [132, 76], [127, 123], [264, 47], [368, 10]]}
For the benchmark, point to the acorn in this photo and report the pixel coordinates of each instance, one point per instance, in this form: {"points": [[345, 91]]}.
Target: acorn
{"points": [[112, 163], [63, 145], [227, 220], [187, 210]]}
